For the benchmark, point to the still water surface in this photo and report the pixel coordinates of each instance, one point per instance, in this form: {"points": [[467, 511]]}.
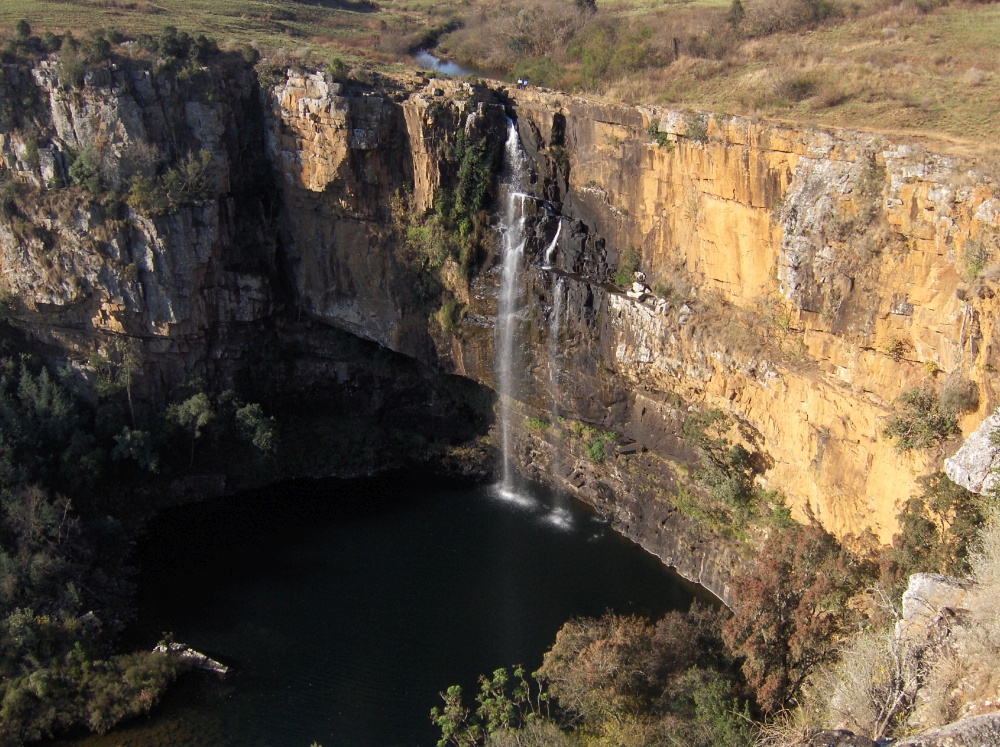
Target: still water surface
{"points": [[446, 67], [345, 607]]}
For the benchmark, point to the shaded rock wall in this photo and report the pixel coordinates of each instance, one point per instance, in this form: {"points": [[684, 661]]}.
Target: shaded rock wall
{"points": [[81, 268]]}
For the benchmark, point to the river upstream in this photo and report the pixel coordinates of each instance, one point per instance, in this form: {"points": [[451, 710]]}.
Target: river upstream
{"points": [[343, 608]]}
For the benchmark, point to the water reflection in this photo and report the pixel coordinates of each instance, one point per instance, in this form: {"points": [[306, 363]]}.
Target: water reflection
{"points": [[445, 67]]}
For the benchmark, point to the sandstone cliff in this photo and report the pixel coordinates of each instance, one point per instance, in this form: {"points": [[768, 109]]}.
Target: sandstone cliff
{"points": [[81, 266], [832, 272]]}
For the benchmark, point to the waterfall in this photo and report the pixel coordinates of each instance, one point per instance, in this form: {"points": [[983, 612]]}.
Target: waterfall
{"points": [[512, 228], [550, 250], [555, 328]]}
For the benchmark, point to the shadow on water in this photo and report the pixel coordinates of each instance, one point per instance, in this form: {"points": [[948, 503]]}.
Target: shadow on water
{"points": [[345, 607]]}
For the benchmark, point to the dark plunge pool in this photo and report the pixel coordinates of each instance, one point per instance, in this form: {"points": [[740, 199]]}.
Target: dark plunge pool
{"points": [[345, 607]]}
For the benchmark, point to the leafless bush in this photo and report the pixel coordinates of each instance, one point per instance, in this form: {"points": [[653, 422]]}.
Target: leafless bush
{"points": [[765, 17], [534, 734], [790, 728], [873, 685], [985, 563], [959, 395], [139, 157]]}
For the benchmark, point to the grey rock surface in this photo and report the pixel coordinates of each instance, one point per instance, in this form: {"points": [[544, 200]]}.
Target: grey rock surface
{"points": [[978, 731], [973, 466]]}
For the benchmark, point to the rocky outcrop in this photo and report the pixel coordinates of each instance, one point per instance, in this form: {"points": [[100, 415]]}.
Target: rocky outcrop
{"points": [[930, 603], [839, 738], [974, 466], [191, 658], [805, 278], [978, 731], [85, 263], [844, 249]]}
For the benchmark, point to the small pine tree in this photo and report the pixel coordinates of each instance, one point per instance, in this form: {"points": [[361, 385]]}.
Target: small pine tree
{"points": [[736, 13]]}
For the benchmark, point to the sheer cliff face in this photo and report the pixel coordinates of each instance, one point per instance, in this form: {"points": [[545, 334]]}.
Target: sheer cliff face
{"points": [[81, 266], [829, 271], [804, 279], [848, 253]]}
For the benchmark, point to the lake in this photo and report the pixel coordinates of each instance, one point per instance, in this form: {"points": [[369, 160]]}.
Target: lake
{"points": [[344, 607]]}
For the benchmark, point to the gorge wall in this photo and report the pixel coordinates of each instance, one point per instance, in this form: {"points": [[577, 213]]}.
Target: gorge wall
{"points": [[831, 271], [802, 279]]}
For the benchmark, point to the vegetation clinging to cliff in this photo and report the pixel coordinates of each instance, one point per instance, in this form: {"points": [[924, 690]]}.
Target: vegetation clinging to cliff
{"points": [[924, 418], [612, 680]]}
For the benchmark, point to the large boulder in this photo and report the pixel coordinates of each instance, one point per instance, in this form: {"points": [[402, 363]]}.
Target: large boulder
{"points": [[974, 465], [930, 602], [978, 731]]}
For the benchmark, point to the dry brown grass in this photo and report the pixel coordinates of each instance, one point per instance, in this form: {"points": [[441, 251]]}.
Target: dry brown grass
{"points": [[899, 67]]}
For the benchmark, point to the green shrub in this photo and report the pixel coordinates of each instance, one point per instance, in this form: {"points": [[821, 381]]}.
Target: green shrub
{"points": [[920, 421], [628, 263], [174, 44], [250, 55], [338, 70], [71, 67], [696, 127], [937, 529], [895, 347], [536, 425], [600, 447], [662, 138], [85, 170], [450, 315], [976, 256], [188, 183]]}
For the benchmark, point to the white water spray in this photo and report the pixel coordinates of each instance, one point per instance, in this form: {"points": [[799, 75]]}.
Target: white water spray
{"points": [[550, 250], [514, 239], [555, 330]]}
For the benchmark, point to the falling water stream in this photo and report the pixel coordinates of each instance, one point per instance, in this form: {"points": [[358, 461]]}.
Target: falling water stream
{"points": [[512, 229], [550, 250]]}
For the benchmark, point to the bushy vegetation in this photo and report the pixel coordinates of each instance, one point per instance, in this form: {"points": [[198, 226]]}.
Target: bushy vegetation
{"points": [[190, 182], [729, 501], [612, 680], [454, 231], [809, 644], [628, 263], [937, 529], [777, 57], [924, 418], [64, 578]]}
